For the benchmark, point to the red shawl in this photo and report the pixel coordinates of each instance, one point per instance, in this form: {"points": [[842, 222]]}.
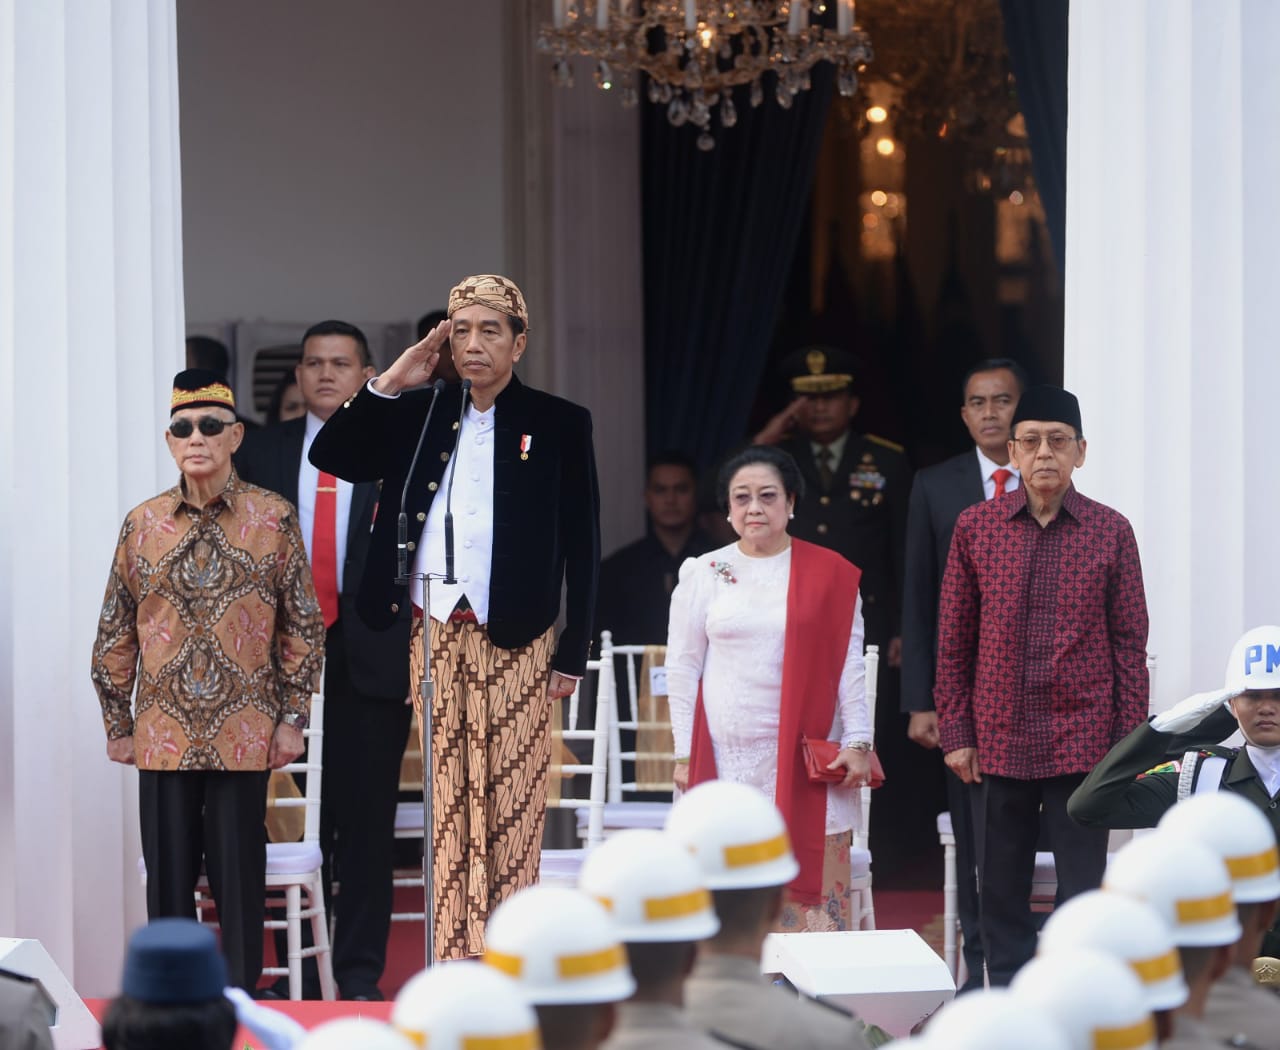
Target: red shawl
{"points": [[821, 596]]}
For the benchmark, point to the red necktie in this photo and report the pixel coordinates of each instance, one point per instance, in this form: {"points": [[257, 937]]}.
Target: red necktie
{"points": [[1000, 475], [324, 547]]}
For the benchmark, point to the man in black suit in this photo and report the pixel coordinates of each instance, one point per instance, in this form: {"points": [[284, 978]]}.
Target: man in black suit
{"points": [[939, 494], [517, 471], [366, 677]]}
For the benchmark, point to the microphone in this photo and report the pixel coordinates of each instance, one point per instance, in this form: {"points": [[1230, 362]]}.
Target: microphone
{"points": [[402, 523], [449, 577]]}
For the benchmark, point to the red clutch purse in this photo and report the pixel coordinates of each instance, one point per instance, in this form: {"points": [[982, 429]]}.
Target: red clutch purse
{"points": [[818, 754]]}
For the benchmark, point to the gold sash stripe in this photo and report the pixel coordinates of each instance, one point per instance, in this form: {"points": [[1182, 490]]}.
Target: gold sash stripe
{"points": [[679, 906], [1205, 909], [1133, 1037], [756, 852], [1259, 864], [1160, 968], [569, 967], [519, 1041]]}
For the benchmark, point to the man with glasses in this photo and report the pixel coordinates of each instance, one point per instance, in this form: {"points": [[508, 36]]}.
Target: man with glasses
{"points": [[1042, 634], [210, 611]]}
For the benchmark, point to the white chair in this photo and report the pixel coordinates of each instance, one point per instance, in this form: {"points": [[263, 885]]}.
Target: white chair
{"points": [[1044, 879], [293, 872], [863, 907], [619, 811], [561, 866]]}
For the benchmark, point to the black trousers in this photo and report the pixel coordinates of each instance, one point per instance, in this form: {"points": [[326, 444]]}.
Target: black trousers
{"points": [[961, 804], [217, 817], [1008, 815], [364, 739]]}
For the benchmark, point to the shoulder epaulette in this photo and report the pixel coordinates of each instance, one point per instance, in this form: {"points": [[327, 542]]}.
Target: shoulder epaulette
{"points": [[893, 445]]}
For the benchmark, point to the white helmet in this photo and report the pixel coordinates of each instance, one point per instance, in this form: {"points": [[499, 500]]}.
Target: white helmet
{"points": [[993, 1019], [1255, 660], [455, 1005], [651, 886], [348, 1032], [1128, 929], [560, 946], [1184, 881], [1236, 831], [737, 836], [1094, 997]]}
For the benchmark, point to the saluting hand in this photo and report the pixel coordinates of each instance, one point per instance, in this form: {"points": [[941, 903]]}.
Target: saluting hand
{"points": [[417, 364]]}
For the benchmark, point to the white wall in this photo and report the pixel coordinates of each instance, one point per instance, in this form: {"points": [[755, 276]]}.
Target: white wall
{"points": [[339, 159], [1171, 321]]}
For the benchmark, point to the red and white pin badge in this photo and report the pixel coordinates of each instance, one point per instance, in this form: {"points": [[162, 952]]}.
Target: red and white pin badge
{"points": [[526, 443]]}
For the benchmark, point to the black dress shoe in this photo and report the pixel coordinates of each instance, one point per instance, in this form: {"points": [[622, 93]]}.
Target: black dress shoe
{"points": [[373, 996]]}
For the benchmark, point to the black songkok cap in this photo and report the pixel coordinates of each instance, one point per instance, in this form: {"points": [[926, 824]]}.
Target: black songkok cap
{"points": [[198, 388], [174, 961], [819, 369], [1049, 404]]}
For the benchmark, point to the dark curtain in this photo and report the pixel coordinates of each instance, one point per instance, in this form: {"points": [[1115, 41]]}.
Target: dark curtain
{"points": [[1035, 32], [720, 230]]}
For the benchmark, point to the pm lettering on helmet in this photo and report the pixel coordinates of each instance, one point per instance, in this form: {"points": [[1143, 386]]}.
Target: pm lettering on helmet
{"points": [[1254, 656]]}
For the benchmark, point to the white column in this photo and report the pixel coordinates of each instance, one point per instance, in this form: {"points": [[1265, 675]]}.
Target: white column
{"points": [[91, 325], [1171, 318]]}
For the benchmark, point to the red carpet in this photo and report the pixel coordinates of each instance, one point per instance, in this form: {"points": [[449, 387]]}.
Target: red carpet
{"points": [[918, 910]]}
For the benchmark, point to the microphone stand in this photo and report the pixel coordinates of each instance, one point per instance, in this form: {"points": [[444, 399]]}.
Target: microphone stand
{"points": [[426, 689], [449, 577]]}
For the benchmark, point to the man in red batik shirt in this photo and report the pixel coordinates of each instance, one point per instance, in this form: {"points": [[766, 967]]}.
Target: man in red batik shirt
{"points": [[1042, 635]]}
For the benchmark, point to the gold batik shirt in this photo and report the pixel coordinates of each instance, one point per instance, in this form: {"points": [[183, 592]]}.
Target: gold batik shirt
{"points": [[212, 614]]}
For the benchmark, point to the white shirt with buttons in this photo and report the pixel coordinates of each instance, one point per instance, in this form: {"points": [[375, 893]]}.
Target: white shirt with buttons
{"points": [[472, 522]]}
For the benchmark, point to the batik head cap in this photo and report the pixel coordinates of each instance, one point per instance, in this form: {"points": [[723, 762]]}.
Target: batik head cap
{"points": [[200, 388], [491, 290]]}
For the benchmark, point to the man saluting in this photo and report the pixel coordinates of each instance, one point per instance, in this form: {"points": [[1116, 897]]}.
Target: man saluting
{"points": [[525, 506]]}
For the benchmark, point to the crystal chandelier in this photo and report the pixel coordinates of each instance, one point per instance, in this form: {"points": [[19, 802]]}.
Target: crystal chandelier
{"points": [[695, 52]]}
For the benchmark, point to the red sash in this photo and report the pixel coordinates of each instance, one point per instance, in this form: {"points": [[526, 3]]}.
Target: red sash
{"points": [[821, 596]]}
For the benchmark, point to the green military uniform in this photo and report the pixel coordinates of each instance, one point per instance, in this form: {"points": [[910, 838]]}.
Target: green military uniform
{"points": [[658, 1026], [1145, 774], [862, 514], [726, 995], [857, 505]]}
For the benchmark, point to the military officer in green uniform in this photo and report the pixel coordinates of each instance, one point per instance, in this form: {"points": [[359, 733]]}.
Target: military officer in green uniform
{"points": [[856, 485], [1176, 754]]}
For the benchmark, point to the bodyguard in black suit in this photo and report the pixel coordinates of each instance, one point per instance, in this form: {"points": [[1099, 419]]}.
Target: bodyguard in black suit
{"points": [[939, 494], [366, 674], [525, 506]]}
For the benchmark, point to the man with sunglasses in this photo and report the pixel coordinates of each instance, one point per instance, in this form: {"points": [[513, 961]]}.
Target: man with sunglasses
{"points": [[1041, 667], [210, 611]]}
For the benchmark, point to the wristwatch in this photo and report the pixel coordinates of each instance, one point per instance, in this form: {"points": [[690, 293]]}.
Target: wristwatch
{"points": [[859, 745], [296, 721]]}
